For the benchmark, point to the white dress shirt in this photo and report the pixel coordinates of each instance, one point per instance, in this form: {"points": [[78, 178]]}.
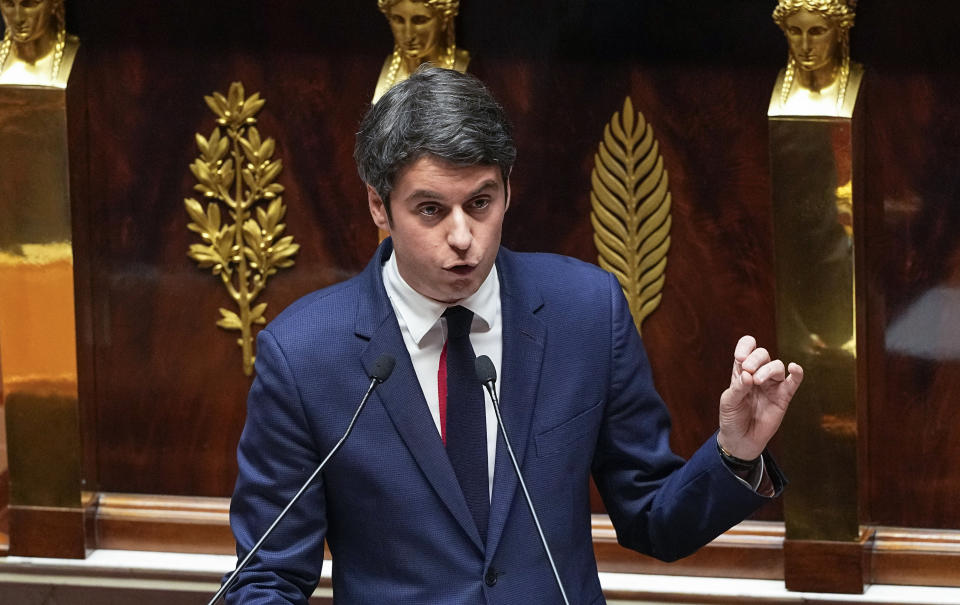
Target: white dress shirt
{"points": [[425, 331]]}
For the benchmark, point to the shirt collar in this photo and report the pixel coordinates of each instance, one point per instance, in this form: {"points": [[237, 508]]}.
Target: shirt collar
{"points": [[421, 313]]}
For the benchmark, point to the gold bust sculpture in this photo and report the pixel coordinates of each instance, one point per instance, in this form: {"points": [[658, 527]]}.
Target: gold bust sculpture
{"points": [[36, 49], [422, 32], [819, 79]]}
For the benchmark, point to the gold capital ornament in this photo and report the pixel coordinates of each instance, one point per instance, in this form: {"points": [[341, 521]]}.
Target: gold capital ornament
{"points": [[236, 170], [423, 32], [631, 210], [36, 49], [819, 79]]}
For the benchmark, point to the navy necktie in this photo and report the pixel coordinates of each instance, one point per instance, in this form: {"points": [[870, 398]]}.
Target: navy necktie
{"points": [[466, 426]]}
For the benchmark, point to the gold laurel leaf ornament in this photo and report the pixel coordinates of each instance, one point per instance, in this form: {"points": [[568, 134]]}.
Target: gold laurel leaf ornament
{"points": [[239, 219], [630, 200]]}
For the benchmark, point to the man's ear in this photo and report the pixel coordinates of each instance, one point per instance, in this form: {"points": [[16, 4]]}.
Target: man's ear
{"points": [[507, 206], [378, 211]]}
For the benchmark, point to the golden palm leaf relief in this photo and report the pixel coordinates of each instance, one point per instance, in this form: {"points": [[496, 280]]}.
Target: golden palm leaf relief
{"points": [[630, 214], [236, 171]]}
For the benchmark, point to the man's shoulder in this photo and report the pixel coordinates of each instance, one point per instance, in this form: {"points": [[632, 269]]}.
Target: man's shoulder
{"points": [[554, 272], [328, 309]]}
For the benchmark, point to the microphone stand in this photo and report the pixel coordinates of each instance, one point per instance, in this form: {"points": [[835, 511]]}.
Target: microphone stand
{"points": [[487, 374], [381, 371]]}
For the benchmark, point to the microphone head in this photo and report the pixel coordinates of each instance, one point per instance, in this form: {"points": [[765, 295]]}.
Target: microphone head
{"points": [[485, 370], [382, 367]]}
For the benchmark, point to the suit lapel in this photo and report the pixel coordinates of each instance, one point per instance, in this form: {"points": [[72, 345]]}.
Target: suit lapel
{"points": [[523, 342], [402, 397]]}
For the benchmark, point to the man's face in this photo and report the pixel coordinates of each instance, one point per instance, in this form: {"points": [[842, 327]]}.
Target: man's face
{"points": [[416, 29], [27, 19], [813, 40], [446, 225]]}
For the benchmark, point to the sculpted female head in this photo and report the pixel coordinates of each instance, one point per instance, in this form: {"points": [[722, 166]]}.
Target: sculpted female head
{"points": [[422, 29], [423, 32], [35, 43], [818, 66], [816, 30], [29, 20]]}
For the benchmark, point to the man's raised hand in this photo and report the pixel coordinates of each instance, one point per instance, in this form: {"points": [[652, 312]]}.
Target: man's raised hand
{"points": [[753, 407]]}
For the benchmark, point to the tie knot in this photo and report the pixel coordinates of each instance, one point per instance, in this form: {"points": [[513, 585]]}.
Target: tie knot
{"points": [[458, 321]]}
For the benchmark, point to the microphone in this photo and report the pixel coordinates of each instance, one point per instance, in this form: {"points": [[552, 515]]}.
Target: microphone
{"points": [[382, 368], [487, 374]]}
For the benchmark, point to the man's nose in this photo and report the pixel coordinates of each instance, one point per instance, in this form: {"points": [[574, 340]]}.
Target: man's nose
{"points": [[459, 234]]}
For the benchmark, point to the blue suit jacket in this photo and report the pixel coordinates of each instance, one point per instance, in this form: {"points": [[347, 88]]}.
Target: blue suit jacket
{"points": [[577, 398]]}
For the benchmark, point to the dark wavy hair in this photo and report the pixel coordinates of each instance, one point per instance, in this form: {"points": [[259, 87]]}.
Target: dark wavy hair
{"points": [[438, 112]]}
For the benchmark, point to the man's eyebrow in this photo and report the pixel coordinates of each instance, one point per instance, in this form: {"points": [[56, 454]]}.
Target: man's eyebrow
{"points": [[429, 194], [425, 194], [485, 186]]}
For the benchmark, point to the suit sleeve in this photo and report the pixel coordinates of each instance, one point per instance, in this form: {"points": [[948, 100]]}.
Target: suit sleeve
{"points": [[276, 454], [659, 504]]}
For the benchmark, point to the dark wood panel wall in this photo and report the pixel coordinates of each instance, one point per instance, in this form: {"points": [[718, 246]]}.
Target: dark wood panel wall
{"points": [[162, 389], [168, 394]]}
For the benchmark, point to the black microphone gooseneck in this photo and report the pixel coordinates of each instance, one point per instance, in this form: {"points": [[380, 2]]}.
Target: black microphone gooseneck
{"points": [[382, 369], [487, 374]]}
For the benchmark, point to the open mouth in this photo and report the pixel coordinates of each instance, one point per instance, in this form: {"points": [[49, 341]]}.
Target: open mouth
{"points": [[462, 269]]}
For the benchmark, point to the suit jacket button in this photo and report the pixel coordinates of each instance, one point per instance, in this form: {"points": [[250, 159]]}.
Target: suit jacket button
{"points": [[491, 577]]}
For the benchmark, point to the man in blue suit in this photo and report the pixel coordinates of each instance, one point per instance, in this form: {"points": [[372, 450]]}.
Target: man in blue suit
{"points": [[399, 504]]}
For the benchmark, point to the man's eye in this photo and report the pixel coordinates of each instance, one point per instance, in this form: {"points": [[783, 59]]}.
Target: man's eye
{"points": [[481, 203], [818, 31], [429, 210]]}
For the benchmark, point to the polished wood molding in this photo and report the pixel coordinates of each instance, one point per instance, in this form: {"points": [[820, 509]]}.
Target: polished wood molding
{"points": [[922, 557], [4, 511], [752, 549], [829, 565], [4, 531], [47, 531], [188, 524]]}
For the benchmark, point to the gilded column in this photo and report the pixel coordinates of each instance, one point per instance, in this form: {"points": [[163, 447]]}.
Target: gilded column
{"points": [[815, 183], [38, 358]]}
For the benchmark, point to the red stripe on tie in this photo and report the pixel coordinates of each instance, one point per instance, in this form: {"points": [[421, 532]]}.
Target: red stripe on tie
{"points": [[442, 392]]}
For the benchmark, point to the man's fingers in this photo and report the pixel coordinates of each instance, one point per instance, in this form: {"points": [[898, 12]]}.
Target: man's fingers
{"points": [[744, 347], [772, 371], [796, 371], [774, 376], [756, 359], [740, 385], [795, 377]]}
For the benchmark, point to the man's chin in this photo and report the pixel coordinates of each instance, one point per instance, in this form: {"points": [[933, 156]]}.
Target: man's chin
{"points": [[456, 292], [447, 298]]}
